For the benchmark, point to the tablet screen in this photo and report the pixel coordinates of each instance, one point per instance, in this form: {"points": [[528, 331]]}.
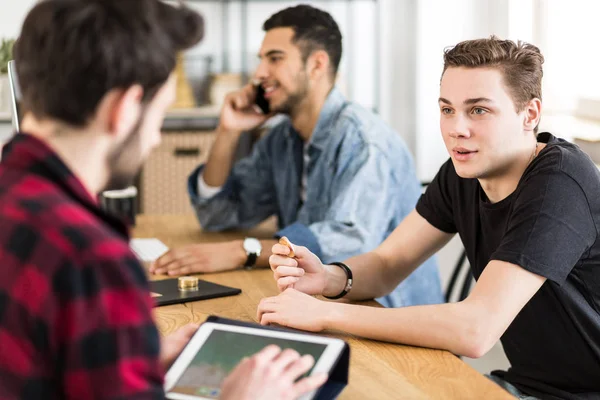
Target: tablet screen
{"points": [[220, 354]]}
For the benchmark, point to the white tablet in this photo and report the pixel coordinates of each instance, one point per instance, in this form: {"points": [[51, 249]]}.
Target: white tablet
{"points": [[215, 350]]}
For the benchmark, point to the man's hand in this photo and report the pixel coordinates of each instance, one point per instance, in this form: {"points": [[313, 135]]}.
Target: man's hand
{"points": [[295, 310], [304, 272], [239, 112], [172, 345], [271, 374], [196, 258]]}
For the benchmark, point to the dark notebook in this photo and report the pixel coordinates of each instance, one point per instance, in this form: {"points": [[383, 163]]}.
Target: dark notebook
{"points": [[166, 292]]}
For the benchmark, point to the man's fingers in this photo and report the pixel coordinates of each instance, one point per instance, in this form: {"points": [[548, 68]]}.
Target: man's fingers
{"points": [[283, 362], [166, 259], [239, 103], [278, 261], [266, 355], [266, 305], [189, 329], [301, 251], [185, 270], [287, 282], [269, 318], [174, 265], [162, 261], [243, 99], [310, 383], [280, 249], [299, 367], [282, 271]]}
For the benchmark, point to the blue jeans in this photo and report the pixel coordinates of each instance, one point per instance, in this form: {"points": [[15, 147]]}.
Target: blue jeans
{"points": [[419, 288], [511, 388]]}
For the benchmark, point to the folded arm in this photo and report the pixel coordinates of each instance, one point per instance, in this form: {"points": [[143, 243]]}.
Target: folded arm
{"points": [[246, 198]]}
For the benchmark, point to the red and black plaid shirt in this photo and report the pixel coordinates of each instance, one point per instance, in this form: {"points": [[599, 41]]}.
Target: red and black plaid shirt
{"points": [[75, 310]]}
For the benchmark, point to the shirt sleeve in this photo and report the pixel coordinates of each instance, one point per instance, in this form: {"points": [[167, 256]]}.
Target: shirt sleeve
{"points": [[435, 205], [551, 225], [359, 216], [206, 191], [246, 199], [108, 344]]}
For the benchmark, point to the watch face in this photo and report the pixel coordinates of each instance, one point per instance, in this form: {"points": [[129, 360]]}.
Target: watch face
{"points": [[252, 245]]}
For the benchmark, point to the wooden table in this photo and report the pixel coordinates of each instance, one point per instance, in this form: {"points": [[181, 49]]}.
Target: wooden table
{"points": [[378, 370]]}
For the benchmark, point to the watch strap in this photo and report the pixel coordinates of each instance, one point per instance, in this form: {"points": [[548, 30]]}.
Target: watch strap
{"points": [[251, 260]]}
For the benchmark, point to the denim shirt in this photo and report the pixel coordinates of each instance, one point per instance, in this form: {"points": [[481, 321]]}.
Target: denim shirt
{"points": [[361, 183]]}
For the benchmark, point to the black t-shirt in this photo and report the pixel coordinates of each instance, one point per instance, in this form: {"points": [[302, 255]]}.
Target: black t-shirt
{"points": [[550, 226]]}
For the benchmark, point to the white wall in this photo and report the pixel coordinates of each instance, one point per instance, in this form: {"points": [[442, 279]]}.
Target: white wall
{"points": [[419, 31], [358, 58], [12, 14]]}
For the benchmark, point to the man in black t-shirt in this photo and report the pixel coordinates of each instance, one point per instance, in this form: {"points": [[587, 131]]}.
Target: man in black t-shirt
{"points": [[527, 208]]}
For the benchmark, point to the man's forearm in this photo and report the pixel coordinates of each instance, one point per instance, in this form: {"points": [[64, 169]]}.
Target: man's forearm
{"points": [[371, 278], [220, 159], [263, 259], [454, 326]]}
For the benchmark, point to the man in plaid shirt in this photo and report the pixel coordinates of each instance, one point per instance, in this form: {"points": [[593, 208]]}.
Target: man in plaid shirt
{"points": [[75, 312]]}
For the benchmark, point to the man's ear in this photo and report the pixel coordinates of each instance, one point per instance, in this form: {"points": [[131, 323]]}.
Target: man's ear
{"points": [[532, 114], [120, 110], [318, 64]]}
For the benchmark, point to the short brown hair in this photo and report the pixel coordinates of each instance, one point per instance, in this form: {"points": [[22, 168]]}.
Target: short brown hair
{"points": [[71, 53], [520, 64]]}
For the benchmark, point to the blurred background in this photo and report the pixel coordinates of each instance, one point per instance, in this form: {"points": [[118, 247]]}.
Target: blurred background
{"points": [[392, 62], [392, 56]]}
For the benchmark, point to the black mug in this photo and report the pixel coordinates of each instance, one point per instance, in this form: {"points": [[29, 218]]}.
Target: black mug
{"points": [[121, 204]]}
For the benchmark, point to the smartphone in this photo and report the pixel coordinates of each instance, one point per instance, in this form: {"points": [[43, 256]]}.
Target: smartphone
{"points": [[260, 100]]}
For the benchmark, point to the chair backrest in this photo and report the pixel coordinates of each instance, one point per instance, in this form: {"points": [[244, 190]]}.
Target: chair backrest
{"points": [[15, 95]]}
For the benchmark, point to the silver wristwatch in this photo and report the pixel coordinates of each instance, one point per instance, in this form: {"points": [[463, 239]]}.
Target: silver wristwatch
{"points": [[253, 249]]}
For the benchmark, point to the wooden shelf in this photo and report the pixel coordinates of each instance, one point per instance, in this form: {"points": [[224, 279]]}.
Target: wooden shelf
{"points": [[200, 118]]}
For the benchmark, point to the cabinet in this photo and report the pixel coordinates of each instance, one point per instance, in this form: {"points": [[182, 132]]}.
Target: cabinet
{"points": [[163, 181]]}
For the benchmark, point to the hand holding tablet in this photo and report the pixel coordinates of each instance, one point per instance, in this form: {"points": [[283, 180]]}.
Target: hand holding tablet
{"points": [[242, 362], [271, 374]]}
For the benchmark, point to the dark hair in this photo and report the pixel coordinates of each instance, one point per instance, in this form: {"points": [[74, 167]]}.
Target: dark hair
{"points": [[72, 52], [520, 64], [314, 29]]}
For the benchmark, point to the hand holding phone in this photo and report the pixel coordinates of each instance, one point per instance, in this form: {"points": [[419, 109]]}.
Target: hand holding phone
{"points": [[240, 112]]}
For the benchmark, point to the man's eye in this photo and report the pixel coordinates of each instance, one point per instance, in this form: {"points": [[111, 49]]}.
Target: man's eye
{"points": [[446, 110], [479, 111]]}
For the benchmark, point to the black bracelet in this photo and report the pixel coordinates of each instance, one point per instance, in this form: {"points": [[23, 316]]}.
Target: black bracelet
{"points": [[348, 286]]}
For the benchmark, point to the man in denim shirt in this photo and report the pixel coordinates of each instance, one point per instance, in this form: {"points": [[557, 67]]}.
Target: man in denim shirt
{"points": [[338, 178]]}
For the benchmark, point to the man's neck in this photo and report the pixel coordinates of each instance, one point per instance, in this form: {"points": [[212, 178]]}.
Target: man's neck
{"points": [[306, 115], [81, 151], [500, 187]]}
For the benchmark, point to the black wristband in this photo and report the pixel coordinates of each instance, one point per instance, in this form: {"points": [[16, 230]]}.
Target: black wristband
{"points": [[348, 286]]}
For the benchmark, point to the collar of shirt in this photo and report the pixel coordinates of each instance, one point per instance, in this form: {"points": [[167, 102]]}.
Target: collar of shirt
{"points": [[30, 154], [333, 105]]}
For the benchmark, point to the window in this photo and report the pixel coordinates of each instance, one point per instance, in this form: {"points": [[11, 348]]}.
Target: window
{"points": [[567, 33]]}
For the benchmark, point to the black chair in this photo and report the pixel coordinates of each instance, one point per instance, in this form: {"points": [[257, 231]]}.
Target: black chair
{"points": [[466, 286]]}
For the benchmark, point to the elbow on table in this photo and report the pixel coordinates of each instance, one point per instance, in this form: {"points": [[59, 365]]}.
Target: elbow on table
{"points": [[477, 340]]}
